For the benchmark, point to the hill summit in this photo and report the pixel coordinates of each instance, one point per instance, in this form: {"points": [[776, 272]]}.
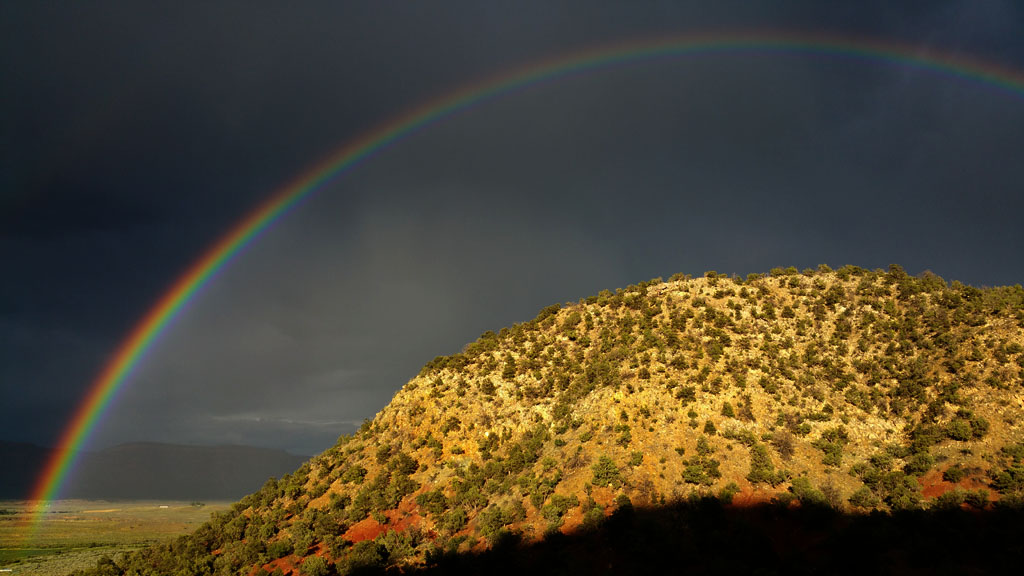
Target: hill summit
{"points": [[846, 390]]}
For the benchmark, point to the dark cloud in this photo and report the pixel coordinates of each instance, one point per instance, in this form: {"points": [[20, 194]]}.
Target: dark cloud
{"points": [[135, 135]]}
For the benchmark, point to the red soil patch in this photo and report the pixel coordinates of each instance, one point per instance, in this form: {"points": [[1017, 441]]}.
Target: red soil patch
{"points": [[366, 529], [750, 496], [287, 565], [603, 496], [290, 564], [404, 522], [572, 520], [399, 520], [405, 516], [933, 486]]}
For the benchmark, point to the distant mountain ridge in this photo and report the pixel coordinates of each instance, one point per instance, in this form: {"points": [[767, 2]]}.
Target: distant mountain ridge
{"points": [[150, 470]]}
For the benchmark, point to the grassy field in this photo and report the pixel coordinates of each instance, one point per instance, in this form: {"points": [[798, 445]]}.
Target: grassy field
{"points": [[74, 534]]}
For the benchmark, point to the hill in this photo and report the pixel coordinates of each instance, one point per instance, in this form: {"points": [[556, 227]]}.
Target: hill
{"points": [[800, 394], [151, 471]]}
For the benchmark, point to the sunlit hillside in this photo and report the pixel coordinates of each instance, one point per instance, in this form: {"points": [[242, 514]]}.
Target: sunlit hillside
{"points": [[844, 390]]}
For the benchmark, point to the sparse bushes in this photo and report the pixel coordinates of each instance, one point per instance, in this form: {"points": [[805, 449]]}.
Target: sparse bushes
{"points": [[762, 471], [831, 443], [900, 492], [559, 505], [487, 387], [433, 502], [919, 464], [593, 515], [354, 474], [636, 459], [966, 426], [402, 463], [1009, 480], [976, 498], [686, 394], [923, 436], [280, 548], [949, 500], [895, 488], [451, 424], [802, 489], [864, 498], [728, 492], [363, 555], [453, 520], [492, 520], [625, 435], [702, 469], [314, 566], [954, 474], [782, 440], [606, 473]]}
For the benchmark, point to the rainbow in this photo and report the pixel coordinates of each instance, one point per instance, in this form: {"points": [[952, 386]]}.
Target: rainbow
{"points": [[142, 337]]}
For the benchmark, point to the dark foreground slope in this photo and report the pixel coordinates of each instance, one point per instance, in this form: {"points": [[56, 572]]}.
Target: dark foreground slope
{"points": [[707, 537], [848, 416]]}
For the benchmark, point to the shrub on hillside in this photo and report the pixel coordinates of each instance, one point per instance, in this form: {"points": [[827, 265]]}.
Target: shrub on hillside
{"points": [[762, 471], [314, 566], [782, 440], [606, 473], [354, 474], [433, 501], [363, 555], [728, 492], [863, 498]]}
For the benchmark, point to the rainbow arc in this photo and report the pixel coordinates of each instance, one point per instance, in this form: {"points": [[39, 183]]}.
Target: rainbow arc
{"points": [[143, 336]]}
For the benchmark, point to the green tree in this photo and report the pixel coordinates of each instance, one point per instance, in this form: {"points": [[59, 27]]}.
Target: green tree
{"points": [[354, 474], [433, 501], [808, 495], [509, 372], [636, 459], [606, 473], [453, 520], [919, 464], [863, 498], [762, 471], [365, 554], [314, 566], [783, 442], [727, 493]]}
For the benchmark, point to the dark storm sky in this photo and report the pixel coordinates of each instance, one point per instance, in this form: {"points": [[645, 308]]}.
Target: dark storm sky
{"points": [[133, 136]]}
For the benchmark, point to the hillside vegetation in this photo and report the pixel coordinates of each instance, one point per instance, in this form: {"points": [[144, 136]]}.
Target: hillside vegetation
{"points": [[850, 390]]}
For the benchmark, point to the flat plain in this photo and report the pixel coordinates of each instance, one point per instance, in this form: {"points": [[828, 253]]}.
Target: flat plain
{"points": [[74, 534]]}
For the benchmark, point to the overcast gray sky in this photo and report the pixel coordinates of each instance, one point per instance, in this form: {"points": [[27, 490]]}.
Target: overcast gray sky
{"points": [[135, 135]]}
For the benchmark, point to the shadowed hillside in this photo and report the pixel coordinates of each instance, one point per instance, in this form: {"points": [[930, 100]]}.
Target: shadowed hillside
{"points": [[847, 415], [707, 537]]}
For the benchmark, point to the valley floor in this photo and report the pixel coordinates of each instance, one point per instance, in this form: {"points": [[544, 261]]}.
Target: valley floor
{"points": [[74, 534]]}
